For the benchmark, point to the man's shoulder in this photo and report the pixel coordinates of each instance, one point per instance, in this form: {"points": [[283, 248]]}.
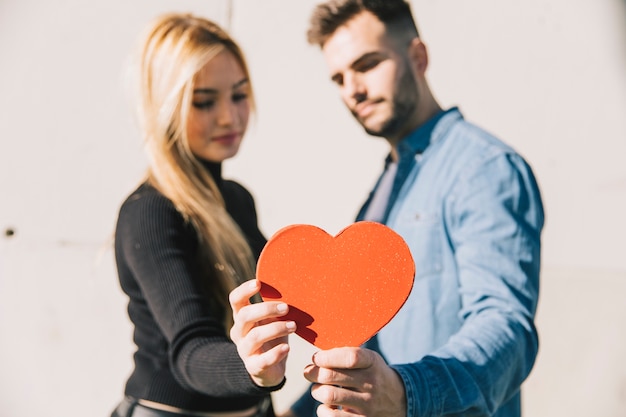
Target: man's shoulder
{"points": [[468, 147], [472, 137]]}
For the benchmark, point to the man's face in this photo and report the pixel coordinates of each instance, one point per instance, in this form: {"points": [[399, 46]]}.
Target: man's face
{"points": [[374, 76]]}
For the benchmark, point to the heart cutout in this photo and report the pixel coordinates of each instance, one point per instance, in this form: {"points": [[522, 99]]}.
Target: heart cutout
{"points": [[340, 290]]}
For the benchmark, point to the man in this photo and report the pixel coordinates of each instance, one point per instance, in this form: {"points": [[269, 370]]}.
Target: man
{"points": [[470, 210]]}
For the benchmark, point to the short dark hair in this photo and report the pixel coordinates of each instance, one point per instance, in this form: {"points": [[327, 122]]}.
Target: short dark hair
{"points": [[327, 17]]}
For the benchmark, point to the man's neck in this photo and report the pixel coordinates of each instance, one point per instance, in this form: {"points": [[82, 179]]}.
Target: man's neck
{"points": [[427, 111]]}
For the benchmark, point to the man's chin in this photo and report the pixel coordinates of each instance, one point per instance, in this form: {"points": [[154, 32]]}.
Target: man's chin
{"points": [[374, 129], [386, 128], [373, 132], [369, 125]]}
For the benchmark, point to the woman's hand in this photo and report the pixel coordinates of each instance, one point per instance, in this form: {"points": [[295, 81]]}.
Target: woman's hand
{"points": [[261, 338]]}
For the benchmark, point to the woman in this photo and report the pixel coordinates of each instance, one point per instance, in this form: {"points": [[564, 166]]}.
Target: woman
{"points": [[186, 237]]}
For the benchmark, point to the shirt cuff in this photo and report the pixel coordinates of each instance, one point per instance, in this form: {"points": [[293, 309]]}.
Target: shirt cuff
{"points": [[420, 392]]}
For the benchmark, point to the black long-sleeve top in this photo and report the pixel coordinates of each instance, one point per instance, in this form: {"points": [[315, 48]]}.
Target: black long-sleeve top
{"points": [[183, 357]]}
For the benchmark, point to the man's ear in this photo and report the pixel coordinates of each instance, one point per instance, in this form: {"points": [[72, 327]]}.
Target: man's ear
{"points": [[418, 56]]}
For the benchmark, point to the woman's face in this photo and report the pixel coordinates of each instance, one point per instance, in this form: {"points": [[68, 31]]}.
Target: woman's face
{"points": [[220, 109]]}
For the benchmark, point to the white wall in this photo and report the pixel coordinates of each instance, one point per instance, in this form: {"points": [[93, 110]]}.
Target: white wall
{"points": [[548, 76]]}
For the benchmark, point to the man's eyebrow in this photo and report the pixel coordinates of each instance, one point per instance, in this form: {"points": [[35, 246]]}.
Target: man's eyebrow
{"points": [[365, 57], [358, 62], [235, 86]]}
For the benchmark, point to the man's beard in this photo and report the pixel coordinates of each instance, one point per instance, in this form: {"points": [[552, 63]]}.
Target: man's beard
{"points": [[403, 107]]}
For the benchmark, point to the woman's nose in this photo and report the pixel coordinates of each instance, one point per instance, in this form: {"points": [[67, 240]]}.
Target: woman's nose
{"points": [[227, 114]]}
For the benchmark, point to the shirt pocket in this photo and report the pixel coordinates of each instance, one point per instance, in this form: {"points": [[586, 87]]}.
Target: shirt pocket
{"points": [[422, 232]]}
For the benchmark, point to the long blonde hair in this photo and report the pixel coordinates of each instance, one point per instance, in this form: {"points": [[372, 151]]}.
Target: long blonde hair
{"points": [[173, 50]]}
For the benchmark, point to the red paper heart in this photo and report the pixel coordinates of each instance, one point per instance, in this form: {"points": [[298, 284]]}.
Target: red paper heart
{"points": [[341, 290]]}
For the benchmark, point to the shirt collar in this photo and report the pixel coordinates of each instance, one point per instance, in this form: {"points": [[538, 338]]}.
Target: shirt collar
{"points": [[418, 140]]}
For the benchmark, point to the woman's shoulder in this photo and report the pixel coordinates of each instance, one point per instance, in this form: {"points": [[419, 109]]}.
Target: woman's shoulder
{"points": [[236, 190], [146, 201], [143, 194], [149, 218]]}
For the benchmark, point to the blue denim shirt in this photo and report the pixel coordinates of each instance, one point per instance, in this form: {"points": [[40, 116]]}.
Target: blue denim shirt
{"points": [[471, 212]]}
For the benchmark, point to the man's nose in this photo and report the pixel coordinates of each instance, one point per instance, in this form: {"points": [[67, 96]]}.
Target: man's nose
{"points": [[354, 88]]}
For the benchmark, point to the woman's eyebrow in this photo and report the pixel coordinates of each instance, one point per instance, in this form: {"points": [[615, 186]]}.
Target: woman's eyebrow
{"points": [[244, 81], [201, 90], [204, 91]]}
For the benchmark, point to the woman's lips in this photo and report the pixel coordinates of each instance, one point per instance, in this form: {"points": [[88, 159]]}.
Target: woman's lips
{"points": [[226, 139]]}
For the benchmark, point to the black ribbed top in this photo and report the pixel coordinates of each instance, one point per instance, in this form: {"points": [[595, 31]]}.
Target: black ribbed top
{"points": [[183, 357]]}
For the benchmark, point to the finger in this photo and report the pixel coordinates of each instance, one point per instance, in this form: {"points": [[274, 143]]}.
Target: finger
{"points": [[337, 398], [263, 338], [269, 358], [255, 315], [260, 313], [240, 296], [350, 379], [345, 358], [324, 410]]}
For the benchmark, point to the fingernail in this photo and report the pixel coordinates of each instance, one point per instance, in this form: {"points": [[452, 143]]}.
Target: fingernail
{"points": [[253, 284], [291, 325], [282, 307]]}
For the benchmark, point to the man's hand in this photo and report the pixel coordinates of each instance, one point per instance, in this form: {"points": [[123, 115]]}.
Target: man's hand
{"points": [[355, 381], [261, 338]]}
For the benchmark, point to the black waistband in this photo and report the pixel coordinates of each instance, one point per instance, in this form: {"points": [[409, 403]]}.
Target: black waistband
{"points": [[130, 407], [125, 408]]}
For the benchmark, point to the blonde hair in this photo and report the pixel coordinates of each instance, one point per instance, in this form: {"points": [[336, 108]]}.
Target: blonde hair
{"points": [[173, 50]]}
